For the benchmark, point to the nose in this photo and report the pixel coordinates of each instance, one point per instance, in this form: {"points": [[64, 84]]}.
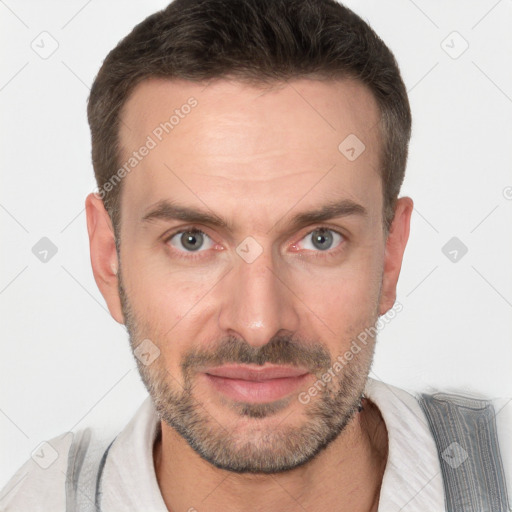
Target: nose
{"points": [[256, 300]]}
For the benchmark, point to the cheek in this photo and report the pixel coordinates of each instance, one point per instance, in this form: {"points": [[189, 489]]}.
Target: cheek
{"points": [[350, 309], [171, 311], [158, 289], [351, 289], [346, 301]]}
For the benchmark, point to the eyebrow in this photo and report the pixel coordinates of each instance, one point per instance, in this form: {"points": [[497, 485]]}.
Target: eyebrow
{"points": [[167, 211]]}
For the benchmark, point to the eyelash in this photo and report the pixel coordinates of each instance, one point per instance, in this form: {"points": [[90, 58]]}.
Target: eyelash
{"points": [[190, 256]]}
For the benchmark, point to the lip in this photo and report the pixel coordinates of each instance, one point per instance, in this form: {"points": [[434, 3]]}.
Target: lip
{"points": [[255, 373], [255, 384]]}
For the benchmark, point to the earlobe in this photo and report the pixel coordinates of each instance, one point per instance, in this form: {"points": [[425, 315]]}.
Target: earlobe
{"points": [[395, 247], [103, 254]]}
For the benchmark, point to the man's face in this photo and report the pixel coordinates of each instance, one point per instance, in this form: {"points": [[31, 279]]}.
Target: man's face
{"points": [[261, 289]]}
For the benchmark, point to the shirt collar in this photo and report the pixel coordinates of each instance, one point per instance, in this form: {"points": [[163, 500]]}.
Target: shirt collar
{"points": [[412, 480]]}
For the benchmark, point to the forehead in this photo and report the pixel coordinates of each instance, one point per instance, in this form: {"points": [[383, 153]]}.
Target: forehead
{"points": [[305, 141]]}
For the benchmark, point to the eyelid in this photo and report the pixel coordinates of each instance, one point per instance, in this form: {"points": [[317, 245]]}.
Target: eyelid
{"points": [[336, 229]]}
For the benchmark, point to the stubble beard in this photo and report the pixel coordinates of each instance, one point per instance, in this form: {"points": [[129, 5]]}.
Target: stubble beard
{"points": [[266, 447]]}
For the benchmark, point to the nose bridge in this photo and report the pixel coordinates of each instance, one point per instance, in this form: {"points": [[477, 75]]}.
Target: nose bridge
{"points": [[256, 302]]}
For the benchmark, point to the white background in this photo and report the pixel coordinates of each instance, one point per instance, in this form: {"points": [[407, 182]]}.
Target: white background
{"points": [[66, 364]]}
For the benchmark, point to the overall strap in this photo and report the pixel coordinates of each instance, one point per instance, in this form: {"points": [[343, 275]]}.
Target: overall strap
{"points": [[464, 430], [86, 460]]}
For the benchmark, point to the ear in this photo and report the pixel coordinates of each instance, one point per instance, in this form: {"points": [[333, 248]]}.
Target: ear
{"points": [[103, 254], [395, 247]]}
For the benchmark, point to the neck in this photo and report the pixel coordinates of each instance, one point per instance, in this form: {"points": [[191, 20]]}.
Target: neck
{"points": [[346, 476]]}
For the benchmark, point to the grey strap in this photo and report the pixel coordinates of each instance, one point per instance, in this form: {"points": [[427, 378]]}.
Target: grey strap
{"points": [[86, 460], [465, 433]]}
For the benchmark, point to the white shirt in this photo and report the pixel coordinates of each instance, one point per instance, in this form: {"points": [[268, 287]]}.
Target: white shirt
{"points": [[412, 480]]}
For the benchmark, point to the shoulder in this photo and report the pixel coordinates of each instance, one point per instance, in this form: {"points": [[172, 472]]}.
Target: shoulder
{"points": [[40, 483], [62, 468], [480, 424], [51, 474]]}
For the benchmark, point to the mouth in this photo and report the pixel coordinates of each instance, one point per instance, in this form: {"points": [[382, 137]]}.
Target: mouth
{"points": [[255, 384]]}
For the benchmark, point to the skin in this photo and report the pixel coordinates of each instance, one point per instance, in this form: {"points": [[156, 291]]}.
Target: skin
{"points": [[255, 157]]}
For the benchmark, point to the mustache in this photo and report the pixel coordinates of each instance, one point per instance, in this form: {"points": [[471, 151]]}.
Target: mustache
{"points": [[279, 350]]}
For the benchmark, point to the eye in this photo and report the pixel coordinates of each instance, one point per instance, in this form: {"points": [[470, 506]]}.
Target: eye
{"points": [[191, 240], [322, 239]]}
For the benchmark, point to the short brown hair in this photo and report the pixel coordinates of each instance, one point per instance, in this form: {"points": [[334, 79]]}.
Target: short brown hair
{"points": [[256, 41]]}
